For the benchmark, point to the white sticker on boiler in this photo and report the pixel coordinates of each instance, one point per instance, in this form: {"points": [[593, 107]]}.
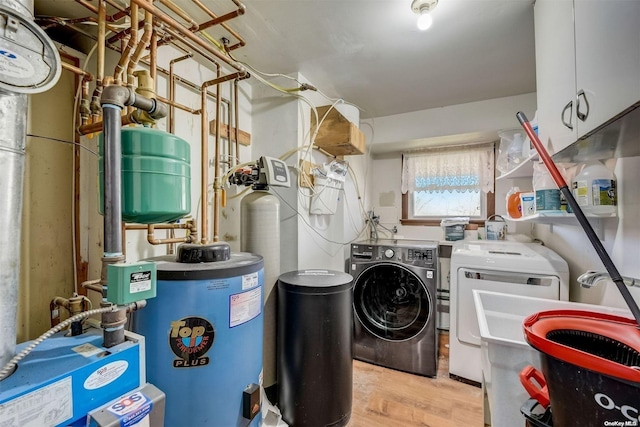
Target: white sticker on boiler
{"points": [[87, 350], [244, 306], [249, 281], [429, 274], [106, 375], [50, 405]]}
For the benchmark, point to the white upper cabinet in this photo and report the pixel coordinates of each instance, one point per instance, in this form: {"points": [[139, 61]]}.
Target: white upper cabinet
{"points": [[555, 73], [587, 65]]}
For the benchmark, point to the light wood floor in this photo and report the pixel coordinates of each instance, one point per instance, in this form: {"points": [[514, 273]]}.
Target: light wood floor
{"points": [[387, 398]]}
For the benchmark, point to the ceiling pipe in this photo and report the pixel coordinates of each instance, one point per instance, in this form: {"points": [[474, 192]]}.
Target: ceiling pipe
{"points": [[166, 19], [241, 41], [126, 53]]}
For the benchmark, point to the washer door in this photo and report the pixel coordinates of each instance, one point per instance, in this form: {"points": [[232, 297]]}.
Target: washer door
{"points": [[391, 302]]}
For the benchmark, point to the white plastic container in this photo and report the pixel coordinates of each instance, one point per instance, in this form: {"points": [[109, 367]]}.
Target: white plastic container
{"points": [[528, 203], [546, 190], [504, 351], [594, 188]]}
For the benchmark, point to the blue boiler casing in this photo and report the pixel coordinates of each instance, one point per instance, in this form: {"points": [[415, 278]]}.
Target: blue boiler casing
{"points": [[204, 334]]}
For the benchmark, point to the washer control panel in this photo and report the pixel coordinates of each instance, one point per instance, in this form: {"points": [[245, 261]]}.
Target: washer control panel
{"points": [[421, 256]]}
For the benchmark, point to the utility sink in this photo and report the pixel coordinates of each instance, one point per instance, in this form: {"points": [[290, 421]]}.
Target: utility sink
{"points": [[505, 351]]}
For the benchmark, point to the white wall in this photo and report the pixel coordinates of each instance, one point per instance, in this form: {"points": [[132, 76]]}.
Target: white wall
{"points": [[282, 123], [430, 127], [621, 240]]}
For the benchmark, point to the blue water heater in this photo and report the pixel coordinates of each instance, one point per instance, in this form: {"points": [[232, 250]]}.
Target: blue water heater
{"points": [[204, 336]]}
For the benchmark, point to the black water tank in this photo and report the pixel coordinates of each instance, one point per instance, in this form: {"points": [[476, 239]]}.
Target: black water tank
{"points": [[315, 348]]}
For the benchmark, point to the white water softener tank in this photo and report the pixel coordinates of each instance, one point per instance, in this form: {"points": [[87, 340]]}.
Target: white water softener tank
{"points": [[594, 188], [204, 336]]}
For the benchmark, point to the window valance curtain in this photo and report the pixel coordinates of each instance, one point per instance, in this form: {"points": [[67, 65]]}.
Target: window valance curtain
{"points": [[449, 169]]}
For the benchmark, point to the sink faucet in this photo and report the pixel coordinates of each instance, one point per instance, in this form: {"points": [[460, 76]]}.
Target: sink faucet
{"points": [[591, 278]]}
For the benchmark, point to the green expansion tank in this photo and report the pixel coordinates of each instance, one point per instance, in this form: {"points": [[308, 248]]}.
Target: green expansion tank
{"points": [[156, 176]]}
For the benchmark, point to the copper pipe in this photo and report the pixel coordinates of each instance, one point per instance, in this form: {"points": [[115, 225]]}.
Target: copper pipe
{"points": [[204, 134], [142, 45], [119, 35], [153, 59], [181, 13], [236, 104], [231, 31], [95, 288], [126, 53], [97, 126], [176, 105], [85, 112], [216, 171], [188, 34], [117, 6], [102, 12], [172, 89], [77, 70], [189, 225], [172, 226], [229, 127], [89, 6], [220, 19], [152, 240]]}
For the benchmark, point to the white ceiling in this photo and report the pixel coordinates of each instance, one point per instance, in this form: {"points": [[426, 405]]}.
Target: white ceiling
{"points": [[370, 52]]}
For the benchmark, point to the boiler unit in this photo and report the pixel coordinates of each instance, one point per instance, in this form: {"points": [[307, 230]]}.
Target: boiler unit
{"points": [[204, 335], [64, 378]]}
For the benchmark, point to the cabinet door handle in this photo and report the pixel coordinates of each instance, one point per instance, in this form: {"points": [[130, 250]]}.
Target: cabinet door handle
{"points": [[582, 116], [569, 107]]}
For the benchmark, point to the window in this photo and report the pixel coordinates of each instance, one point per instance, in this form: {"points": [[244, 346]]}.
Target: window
{"points": [[448, 182]]}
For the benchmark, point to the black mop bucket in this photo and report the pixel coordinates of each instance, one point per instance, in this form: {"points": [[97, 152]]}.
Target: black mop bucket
{"points": [[591, 365]]}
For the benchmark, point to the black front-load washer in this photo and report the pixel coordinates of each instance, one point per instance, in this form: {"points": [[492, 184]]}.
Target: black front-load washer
{"points": [[394, 304]]}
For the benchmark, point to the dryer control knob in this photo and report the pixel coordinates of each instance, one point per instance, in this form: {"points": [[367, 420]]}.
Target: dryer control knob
{"points": [[389, 253]]}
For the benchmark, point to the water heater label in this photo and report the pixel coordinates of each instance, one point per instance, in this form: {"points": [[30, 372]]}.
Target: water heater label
{"points": [[50, 405], [249, 281], [244, 306], [106, 375]]}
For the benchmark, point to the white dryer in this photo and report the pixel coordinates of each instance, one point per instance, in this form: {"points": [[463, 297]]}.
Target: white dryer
{"points": [[528, 269]]}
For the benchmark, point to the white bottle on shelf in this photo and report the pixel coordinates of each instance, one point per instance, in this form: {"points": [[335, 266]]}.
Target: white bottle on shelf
{"points": [[595, 190], [546, 190]]}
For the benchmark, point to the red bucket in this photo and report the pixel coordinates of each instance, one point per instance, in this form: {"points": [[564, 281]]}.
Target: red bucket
{"points": [[591, 364]]}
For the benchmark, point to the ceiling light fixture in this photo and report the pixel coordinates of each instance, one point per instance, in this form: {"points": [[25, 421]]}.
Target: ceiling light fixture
{"points": [[422, 8]]}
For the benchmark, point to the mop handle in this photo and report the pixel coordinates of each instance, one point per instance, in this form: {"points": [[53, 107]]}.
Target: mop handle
{"points": [[582, 219]]}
